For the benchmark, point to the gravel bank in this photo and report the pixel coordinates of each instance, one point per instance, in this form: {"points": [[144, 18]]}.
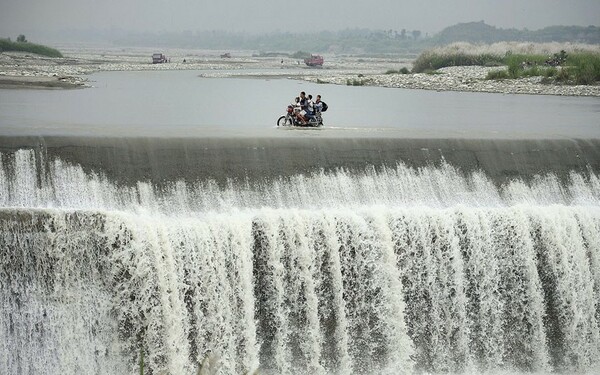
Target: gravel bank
{"points": [[464, 78], [26, 70]]}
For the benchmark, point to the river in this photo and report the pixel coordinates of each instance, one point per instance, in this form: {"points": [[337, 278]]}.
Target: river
{"points": [[162, 221], [180, 103]]}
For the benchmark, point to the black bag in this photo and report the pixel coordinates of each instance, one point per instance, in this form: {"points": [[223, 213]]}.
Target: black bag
{"points": [[325, 106]]}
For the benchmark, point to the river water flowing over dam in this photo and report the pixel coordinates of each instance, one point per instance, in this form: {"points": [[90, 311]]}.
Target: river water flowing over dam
{"points": [[312, 256]]}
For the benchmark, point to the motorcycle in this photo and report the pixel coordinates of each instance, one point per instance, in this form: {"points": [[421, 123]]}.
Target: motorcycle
{"points": [[291, 119]]}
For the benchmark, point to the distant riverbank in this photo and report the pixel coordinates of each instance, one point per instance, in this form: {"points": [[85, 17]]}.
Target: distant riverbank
{"points": [[23, 70], [467, 78]]}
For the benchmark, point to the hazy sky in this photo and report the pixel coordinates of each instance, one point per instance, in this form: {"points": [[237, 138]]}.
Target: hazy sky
{"points": [[430, 16]]}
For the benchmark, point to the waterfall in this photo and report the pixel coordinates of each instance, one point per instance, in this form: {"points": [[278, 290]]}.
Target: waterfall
{"points": [[392, 269]]}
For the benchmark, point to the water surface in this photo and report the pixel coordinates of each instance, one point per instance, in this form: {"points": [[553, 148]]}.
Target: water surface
{"points": [[180, 103]]}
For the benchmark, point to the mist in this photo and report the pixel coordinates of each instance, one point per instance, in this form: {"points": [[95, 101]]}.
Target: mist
{"points": [[40, 18]]}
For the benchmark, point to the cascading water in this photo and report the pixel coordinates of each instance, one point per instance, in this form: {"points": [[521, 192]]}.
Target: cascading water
{"points": [[391, 270]]}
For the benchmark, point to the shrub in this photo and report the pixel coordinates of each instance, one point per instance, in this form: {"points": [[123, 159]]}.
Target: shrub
{"points": [[586, 75], [557, 59], [579, 65], [534, 71], [404, 70], [524, 59], [497, 74], [562, 75], [518, 48], [585, 68], [7, 45], [431, 60], [550, 72], [514, 69], [355, 82], [300, 55]]}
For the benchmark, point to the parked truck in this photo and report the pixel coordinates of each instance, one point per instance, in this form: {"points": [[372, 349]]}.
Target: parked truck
{"points": [[158, 58], [314, 60]]}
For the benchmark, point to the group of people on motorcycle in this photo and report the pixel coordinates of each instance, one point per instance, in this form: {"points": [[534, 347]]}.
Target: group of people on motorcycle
{"points": [[305, 109]]}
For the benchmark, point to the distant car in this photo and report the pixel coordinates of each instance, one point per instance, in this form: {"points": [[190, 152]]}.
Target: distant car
{"points": [[314, 60], [226, 55], [158, 58]]}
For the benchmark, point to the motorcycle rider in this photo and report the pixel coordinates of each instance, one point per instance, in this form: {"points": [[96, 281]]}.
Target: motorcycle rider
{"points": [[302, 99], [303, 108]]}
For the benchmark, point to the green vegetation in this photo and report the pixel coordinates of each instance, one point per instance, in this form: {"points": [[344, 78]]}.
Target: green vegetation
{"points": [[430, 60], [299, 55], [577, 68], [581, 68], [516, 70], [356, 82], [21, 45], [399, 42], [356, 41], [349, 41], [584, 67], [498, 74], [270, 54], [404, 70]]}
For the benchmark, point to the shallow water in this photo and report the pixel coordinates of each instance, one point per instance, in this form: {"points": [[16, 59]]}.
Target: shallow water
{"points": [[180, 103]]}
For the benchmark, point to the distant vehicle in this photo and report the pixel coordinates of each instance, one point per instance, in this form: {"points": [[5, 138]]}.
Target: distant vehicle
{"points": [[226, 55], [158, 58], [314, 60]]}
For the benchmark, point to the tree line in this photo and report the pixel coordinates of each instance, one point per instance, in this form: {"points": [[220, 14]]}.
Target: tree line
{"points": [[359, 41]]}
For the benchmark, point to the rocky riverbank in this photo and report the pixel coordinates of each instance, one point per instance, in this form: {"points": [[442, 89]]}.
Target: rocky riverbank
{"points": [[19, 70], [464, 78]]}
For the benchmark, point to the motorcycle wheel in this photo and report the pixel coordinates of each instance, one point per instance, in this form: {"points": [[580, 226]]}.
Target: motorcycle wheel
{"points": [[313, 123], [319, 120], [284, 121]]}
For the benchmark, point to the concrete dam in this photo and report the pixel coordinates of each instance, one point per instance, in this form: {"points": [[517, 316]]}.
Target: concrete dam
{"points": [[299, 255]]}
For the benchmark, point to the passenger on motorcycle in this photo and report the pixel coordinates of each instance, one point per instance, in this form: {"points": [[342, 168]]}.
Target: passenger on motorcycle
{"points": [[310, 108], [296, 104], [318, 104]]}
